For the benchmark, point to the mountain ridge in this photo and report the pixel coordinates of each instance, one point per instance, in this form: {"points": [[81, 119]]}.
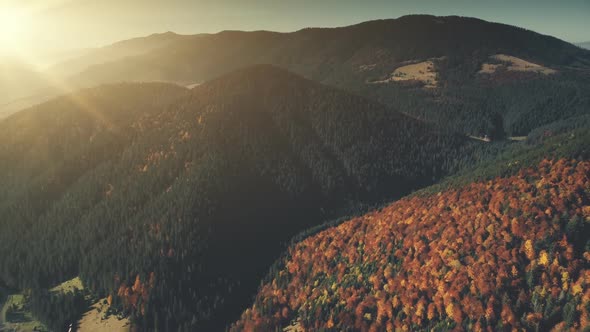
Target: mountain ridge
{"points": [[354, 57], [387, 24], [243, 160]]}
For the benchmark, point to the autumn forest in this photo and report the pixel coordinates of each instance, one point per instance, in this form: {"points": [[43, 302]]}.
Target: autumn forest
{"points": [[511, 253]]}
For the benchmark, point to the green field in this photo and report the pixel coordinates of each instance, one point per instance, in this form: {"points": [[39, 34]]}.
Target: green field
{"points": [[69, 286], [14, 315]]}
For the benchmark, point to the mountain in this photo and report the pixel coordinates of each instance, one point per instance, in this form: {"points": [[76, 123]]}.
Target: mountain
{"points": [[18, 79], [114, 52], [585, 45], [465, 74], [24, 85], [462, 74], [333, 54], [181, 199], [507, 253]]}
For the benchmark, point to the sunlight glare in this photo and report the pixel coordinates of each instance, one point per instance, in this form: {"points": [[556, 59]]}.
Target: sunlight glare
{"points": [[14, 24]]}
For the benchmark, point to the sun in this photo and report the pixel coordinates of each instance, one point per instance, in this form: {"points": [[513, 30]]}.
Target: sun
{"points": [[14, 24]]}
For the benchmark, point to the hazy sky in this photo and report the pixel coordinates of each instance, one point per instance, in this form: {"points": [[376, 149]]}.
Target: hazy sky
{"points": [[63, 24]]}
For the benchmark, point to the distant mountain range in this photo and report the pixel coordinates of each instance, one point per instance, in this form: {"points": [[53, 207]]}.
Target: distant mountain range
{"points": [[331, 55], [114, 52], [403, 62], [23, 84]]}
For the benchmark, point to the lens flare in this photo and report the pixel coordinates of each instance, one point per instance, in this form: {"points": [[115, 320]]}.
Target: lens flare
{"points": [[14, 25]]}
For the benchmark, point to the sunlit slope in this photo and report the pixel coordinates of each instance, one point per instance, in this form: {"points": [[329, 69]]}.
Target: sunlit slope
{"points": [[450, 92], [114, 52], [46, 148], [25, 81], [506, 253]]}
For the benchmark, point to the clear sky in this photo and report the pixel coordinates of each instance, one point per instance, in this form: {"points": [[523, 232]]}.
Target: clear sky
{"points": [[67, 24]]}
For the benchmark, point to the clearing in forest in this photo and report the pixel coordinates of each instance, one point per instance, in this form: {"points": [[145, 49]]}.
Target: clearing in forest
{"points": [[512, 63], [97, 320], [422, 72], [14, 315]]}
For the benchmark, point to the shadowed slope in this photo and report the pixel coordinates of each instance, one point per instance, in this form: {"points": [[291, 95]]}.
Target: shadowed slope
{"points": [[184, 198]]}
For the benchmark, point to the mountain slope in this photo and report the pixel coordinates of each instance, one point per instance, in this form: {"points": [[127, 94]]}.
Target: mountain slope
{"points": [[367, 57], [24, 85], [17, 80], [585, 45], [180, 200], [114, 52], [331, 54], [432, 68], [506, 253], [73, 133]]}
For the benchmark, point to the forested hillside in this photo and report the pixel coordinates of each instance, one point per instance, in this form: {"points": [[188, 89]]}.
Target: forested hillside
{"points": [[180, 199], [347, 54], [508, 253], [364, 57], [45, 149], [372, 59]]}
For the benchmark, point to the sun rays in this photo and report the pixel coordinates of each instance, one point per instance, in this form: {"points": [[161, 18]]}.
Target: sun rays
{"points": [[17, 23], [14, 24]]}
